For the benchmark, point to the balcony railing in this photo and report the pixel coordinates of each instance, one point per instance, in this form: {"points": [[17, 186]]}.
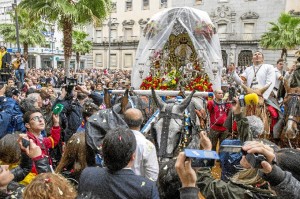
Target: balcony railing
{"points": [[239, 36], [117, 39]]}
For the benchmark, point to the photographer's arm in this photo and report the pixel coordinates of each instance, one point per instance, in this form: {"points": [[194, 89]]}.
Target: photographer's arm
{"points": [[187, 177], [96, 97], [282, 182]]}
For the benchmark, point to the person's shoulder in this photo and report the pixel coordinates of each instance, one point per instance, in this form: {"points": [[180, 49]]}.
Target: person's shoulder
{"points": [[142, 181], [269, 66], [91, 171]]}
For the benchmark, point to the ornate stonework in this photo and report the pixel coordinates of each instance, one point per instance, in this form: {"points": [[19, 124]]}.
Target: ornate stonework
{"points": [[294, 13], [250, 15], [128, 23], [143, 22]]}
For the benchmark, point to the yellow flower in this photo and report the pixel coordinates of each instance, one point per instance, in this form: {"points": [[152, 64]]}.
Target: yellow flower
{"points": [[173, 81]]}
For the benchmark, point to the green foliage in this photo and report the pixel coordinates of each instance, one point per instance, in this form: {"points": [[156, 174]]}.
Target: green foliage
{"points": [[78, 12], [30, 30], [80, 44], [68, 13], [285, 34]]}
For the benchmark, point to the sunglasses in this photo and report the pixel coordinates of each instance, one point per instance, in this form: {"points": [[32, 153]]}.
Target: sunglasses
{"points": [[37, 118]]}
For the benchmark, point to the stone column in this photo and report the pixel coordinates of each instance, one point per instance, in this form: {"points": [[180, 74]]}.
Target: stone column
{"points": [[232, 54], [38, 61]]}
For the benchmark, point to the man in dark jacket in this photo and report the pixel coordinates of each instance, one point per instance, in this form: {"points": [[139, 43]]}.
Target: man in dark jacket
{"points": [[71, 115], [117, 180], [11, 114]]}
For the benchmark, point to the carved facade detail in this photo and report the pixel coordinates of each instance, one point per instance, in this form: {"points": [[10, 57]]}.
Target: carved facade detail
{"points": [[128, 22], [250, 15], [294, 13], [143, 22]]}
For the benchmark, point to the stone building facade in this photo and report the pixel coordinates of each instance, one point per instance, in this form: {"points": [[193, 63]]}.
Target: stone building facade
{"points": [[123, 27], [239, 23]]}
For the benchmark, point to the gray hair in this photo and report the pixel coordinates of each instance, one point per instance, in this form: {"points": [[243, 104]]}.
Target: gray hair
{"points": [[256, 125], [27, 104]]}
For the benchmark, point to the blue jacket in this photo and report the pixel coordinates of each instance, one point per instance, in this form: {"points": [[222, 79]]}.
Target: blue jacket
{"points": [[11, 116]]}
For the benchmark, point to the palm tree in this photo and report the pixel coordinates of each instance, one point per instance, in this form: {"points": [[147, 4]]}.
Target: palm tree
{"points": [[68, 13], [80, 45], [30, 30], [284, 35]]}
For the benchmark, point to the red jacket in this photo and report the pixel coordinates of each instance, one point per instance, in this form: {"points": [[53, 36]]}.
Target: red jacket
{"points": [[218, 113], [46, 143]]}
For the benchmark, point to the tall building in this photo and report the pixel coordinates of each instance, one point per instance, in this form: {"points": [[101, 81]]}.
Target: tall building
{"points": [[116, 40], [49, 55]]}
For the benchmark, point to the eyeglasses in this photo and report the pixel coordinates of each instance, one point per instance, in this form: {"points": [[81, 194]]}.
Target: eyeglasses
{"points": [[37, 118]]}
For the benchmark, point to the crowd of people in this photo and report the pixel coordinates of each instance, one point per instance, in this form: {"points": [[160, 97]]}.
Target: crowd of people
{"points": [[44, 153]]}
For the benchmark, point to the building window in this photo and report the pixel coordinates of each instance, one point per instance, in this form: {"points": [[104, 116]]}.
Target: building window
{"points": [[128, 34], [128, 5], [113, 60], [245, 58], [98, 36], [114, 35], [145, 4], [99, 60], [248, 31], [128, 61], [222, 30], [163, 3], [114, 7]]}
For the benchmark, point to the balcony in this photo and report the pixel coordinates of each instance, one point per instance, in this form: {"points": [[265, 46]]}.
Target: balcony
{"points": [[117, 40], [239, 37]]}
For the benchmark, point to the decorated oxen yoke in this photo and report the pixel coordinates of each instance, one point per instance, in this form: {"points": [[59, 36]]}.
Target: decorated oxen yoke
{"points": [[170, 125], [178, 51]]}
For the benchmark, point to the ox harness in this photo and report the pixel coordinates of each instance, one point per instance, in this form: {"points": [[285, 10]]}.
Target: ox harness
{"points": [[166, 114]]}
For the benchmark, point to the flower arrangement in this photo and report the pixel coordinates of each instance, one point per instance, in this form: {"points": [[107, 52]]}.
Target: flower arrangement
{"points": [[151, 29], [200, 84], [207, 30], [170, 81]]}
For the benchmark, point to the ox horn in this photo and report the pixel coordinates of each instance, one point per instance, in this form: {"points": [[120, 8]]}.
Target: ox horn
{"points": [[186, 102], [263, 89], [286, 86], [124, 101], [247, 89], [107, 98], [158, 101]]}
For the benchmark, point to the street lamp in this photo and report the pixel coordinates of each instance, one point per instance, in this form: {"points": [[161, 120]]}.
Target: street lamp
{"points": [[14, 5], [52, 47]]}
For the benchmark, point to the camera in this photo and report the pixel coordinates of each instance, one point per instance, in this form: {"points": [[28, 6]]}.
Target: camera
{"points": [[241, 101], [201, 158], [69, 84], [253, 159], [25, 143]]}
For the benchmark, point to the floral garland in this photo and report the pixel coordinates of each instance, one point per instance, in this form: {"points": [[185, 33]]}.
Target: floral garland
{"points": [[207, 30], [169, 81], [151, 29]]}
